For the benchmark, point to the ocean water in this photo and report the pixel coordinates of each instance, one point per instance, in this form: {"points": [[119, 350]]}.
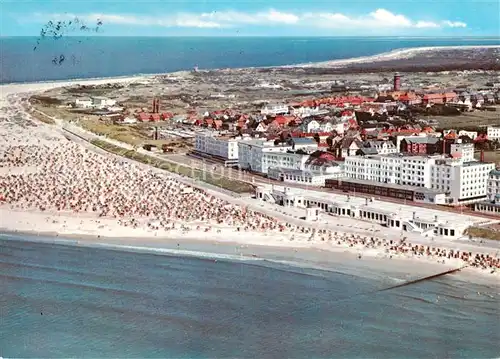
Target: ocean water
{"points": [[71, 301], [89, 57]]}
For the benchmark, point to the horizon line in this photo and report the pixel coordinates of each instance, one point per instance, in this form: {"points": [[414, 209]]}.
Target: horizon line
{"points": [[495, 37]]}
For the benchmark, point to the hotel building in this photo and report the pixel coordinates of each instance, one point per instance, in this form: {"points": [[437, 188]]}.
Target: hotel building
{"points": [[462, 179], [223, 148], [260, 155]]}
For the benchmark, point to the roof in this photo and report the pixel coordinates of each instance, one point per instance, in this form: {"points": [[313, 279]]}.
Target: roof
{"points": [[368, 150], [303, 141], [422, 140], [393, 185], [348, 141]]}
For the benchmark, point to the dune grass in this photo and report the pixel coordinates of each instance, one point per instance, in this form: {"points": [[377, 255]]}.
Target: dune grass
{"points": [[481, 232], [200, 175]]}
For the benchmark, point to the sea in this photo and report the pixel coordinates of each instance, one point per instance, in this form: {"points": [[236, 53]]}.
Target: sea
{"points": [[62, 299], [32, 59]]}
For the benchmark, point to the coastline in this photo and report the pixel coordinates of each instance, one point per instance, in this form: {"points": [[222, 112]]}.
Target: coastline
{"points": [[232, 245], [398, 54], [303, 259], [24, 222]]}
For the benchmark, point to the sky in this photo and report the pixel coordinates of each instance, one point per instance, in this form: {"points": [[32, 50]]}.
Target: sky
{"points": [[257, 17]]}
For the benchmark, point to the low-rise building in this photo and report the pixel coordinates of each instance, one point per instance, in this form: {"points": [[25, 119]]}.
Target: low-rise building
{"points": [[392, 216], [97, 102], [471, 134], [102, 102], [84, 102], [381, 147], [274, 109]]}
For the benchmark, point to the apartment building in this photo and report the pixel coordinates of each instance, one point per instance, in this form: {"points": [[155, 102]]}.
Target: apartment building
{"points": [[464, 182], [260, 155], [211, 144]]}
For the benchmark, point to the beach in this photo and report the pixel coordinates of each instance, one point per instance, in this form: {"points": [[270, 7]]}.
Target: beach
{"points": [[399, 54], [51, 185]]}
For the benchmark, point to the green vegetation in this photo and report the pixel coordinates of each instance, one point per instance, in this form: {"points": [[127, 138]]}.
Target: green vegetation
{"points": [[204, 176], [46, 100], [42, 118], [131, 135], [486, 233]]}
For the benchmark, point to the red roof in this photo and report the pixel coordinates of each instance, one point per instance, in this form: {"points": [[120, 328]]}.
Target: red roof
{"points": [[218, 123], [451, 135], [282, 120]]}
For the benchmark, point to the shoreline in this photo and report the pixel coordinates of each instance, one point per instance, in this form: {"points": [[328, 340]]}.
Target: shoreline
{"points": [[23, 221], [396, 54], [302, 258]]}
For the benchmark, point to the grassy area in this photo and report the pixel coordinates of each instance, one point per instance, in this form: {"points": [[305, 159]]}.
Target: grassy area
{"points": [[42, 118], [467, 119], [204, 176], [127, 134], [489, 156], [486, 233]]}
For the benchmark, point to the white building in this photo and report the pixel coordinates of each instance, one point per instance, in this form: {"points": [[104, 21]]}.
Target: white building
{"points": [[397, 217], [260, 155], [471, 134], [493, 132], [223, 147], [463, 181], [98, 102], [382, 147], [274, 109], [316, 171], [314, 126], [465, 151], [493, 190], [307, 111], [83, 102], [102, 102]]}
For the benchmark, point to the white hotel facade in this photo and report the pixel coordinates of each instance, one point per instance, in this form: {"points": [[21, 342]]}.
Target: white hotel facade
{"points": [[260, 155], [462, 179], [211, 144], [493, 132]]}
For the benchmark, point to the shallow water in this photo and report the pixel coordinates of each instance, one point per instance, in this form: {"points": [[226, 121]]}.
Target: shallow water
{"points": [[61, 301]]}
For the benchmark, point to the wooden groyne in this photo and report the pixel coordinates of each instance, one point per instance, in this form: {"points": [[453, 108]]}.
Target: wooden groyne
{"points": [[422, 279]]}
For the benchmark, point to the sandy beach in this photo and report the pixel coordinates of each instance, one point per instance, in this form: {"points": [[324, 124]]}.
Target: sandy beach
{"points": [[399, 54], [50, 185]]}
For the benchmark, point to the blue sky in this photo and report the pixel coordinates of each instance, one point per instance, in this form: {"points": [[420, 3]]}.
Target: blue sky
{"points": [[259, 18]]}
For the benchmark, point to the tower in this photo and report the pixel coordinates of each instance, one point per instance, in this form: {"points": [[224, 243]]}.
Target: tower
{"points": [[397, 81]]}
